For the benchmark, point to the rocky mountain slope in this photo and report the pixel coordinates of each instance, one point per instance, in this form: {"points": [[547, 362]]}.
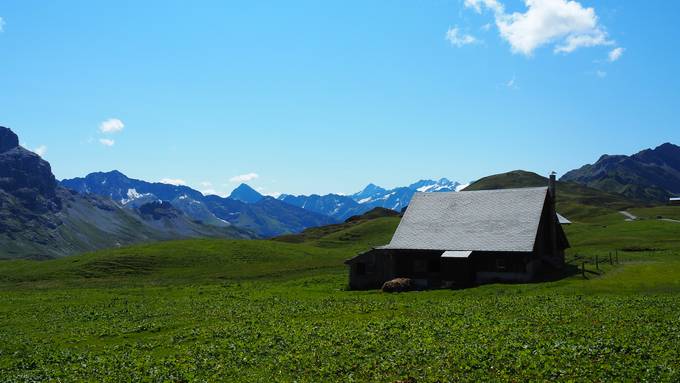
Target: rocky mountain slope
{"points": [[40, 219], [246, 208], [650, 175]]}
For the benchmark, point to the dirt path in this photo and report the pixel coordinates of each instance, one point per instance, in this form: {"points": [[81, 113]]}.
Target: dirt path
{"points": [[629, 216]]}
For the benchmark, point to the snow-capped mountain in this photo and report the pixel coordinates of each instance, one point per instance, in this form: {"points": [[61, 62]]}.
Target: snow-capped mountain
{"points": [[333, 205], [398, 198], [372, 196], [265, 216], [443, 185]]}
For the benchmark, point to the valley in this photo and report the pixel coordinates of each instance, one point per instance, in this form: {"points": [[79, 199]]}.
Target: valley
{"points": [[257, 310]]}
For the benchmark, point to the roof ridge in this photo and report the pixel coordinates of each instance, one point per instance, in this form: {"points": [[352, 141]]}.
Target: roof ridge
{"points": [[485, 190]]}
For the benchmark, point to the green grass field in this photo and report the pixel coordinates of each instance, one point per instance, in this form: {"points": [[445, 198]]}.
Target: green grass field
{"points": [[212, 310]]}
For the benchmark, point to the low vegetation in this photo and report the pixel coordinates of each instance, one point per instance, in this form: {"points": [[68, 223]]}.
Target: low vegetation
{"points": [[215, 310]]}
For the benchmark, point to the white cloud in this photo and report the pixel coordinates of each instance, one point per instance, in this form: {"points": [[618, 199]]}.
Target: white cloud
{"points": [[40, 150], [173, 181], [486, 27], [244, 177], [601, 74], [574, 42], [107, 142], [512, 83], [565, 23], [206, 184], [458, 39], [2, 24], [615, 54], [112, 125], [477, 5]]}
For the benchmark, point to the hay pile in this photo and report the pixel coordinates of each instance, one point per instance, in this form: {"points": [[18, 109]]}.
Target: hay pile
{"points": [[398, 285]]}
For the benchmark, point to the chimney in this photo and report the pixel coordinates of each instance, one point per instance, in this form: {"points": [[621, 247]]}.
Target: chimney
{"points": [[551, 186]]}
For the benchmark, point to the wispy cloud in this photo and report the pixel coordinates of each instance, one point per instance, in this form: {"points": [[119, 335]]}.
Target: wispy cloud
{"points": [[112, 125], [615, 54], [173, 181], [458, 39], [244, 177], [40, 150], [564, 23], [2, 24], [477, 5], [107, 142], [512, 83], [601, 73]]}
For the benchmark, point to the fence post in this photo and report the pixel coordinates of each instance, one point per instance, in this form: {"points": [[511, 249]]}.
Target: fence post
{"points": [[583, 269], [617, 256], [611, 262], [597, 263]]}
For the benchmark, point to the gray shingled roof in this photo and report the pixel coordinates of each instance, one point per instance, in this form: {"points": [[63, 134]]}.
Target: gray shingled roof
{"points": [[485, 220]]}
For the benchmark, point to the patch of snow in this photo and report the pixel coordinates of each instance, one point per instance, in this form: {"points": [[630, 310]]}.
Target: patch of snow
{"points": [[133, 194], [461, 187], [365, 200], [387, 196]]}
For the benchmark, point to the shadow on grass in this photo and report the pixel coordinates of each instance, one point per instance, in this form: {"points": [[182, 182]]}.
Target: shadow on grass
{"points": [[553, 275]]}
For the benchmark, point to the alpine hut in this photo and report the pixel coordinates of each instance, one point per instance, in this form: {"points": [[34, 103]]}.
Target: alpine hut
{"points": [[465, 238]]}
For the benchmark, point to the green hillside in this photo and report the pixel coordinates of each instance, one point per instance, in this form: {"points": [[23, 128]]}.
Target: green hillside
{"points": [[352, 231], [574, 201], [253, 311]]}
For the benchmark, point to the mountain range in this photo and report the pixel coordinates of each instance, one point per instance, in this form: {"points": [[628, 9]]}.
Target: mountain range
{"points": [[41, 219], [342, 207], [245, 208], [650, 175]]}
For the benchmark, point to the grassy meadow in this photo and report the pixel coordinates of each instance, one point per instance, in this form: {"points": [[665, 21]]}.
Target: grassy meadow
{"points": [[214, 310]]}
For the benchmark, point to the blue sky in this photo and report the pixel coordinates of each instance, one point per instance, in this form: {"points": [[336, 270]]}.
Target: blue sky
{"points": [[318, 97]]}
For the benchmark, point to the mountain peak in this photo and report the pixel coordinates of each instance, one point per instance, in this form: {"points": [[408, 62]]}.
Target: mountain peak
{"points": [[114, 174], [371, 188], [24, 174], [649, 175], [245, 193], [443, 184], [668, 147], [8, 139]]}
